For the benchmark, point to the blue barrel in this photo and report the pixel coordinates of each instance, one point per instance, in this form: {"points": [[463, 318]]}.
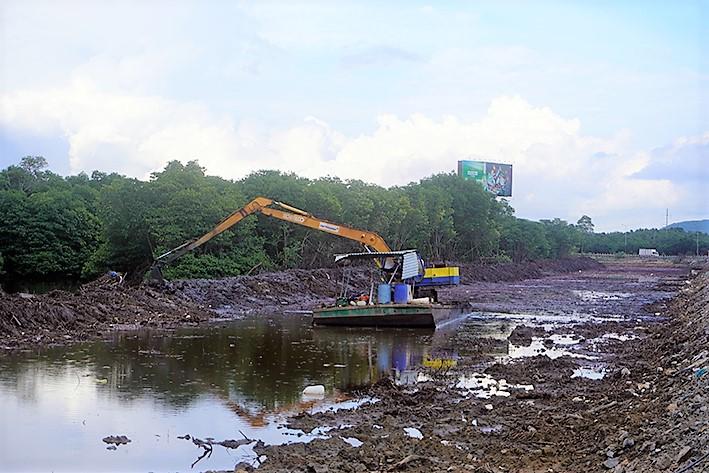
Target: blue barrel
{"points": [[384, 294], [401, 293]]}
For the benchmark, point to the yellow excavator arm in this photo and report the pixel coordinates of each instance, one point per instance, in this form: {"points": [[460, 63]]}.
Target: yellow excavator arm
{"points": [[280, 211]]}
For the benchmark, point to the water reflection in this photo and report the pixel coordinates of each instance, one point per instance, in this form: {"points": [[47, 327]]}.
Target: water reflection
{"points": [[57, 404]]}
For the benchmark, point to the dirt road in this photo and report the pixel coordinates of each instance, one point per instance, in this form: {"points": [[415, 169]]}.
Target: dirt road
{"points": [[600, 371]]}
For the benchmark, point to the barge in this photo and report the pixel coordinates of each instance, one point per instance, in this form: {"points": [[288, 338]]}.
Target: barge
{"points": [[388, 315], [411, 302]]}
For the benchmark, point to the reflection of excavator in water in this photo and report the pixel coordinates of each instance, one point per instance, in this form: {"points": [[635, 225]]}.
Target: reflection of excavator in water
{"points": [[396, 264]]}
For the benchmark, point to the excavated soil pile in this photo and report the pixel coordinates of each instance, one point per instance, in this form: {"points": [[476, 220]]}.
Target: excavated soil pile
{"points": [[272, 292], [59, 316], [666, 393], [306, 289]]}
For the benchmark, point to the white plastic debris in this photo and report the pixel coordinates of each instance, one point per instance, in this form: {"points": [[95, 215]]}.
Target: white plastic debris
{"points": [[413, 432], [316, 390], [354, 441]]}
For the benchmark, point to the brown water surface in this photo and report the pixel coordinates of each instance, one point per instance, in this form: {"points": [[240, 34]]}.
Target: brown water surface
{"points": [[242, 376]]}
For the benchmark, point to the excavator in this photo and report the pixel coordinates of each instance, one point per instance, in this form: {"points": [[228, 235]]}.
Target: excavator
{"points": [[280, 211], [372, 242]]}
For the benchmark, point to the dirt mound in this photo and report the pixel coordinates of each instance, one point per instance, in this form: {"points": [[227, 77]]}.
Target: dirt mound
{"points": [[675, 366], [526, 270], [271, 292], [57, 316], [522, 335], [307, 289]]}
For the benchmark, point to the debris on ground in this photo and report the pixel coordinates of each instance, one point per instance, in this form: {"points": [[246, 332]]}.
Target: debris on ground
{"points": [[61, 317], [521, 408], [117, 440], [647, 414]]}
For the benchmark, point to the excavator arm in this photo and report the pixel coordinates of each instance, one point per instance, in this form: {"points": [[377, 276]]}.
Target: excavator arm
{"points": [[279, 211]]}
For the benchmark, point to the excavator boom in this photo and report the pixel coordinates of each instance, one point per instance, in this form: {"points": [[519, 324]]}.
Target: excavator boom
{"points": [[280, 211]]}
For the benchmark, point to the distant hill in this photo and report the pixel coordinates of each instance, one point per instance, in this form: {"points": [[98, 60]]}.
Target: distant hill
{"points": [[692, 225]]}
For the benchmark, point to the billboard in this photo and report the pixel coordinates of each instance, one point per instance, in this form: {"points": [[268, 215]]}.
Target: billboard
{"points": [[494, 177]]}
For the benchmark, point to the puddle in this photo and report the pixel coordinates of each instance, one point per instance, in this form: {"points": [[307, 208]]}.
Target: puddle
{"points": [[484, 386], [618, 336], [566, 339], [593, 296], [595, 373], [551, 351], [243, 376], [355, 442]]}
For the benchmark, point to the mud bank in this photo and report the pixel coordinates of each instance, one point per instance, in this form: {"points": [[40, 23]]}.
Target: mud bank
{"points": [[59, 317], [97, 308], [618, 389], [527, 270], [299, 289]]}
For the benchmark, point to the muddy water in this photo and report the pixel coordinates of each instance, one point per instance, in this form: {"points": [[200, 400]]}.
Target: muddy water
{"points": [[220, 381], [56, 405]]}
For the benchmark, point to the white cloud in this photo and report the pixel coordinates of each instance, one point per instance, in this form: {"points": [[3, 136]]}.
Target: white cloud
{"points": [[558, 171]]}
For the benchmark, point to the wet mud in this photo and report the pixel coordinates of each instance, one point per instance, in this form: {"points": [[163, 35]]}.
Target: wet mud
{"points": [[29, 321], [574, 367], [604, 370]]}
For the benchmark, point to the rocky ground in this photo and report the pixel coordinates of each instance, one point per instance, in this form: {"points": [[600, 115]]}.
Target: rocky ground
{"points": [[502, 409]]}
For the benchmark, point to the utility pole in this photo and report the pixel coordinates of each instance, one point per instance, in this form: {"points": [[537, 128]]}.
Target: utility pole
{"points": [[667, 216]]}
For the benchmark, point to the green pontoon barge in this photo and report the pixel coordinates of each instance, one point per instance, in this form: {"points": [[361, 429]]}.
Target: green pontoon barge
{"points": [[404, 295]]}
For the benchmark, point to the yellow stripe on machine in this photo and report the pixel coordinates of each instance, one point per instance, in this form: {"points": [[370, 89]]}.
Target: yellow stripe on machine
{"points": [[448, 271]]}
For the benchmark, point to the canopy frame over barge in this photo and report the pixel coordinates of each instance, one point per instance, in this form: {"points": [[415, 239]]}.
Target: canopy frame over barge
{"points": [[418, 308]]}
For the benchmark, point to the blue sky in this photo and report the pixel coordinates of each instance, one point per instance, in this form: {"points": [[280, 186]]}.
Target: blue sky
{"points": [[592, 102]]}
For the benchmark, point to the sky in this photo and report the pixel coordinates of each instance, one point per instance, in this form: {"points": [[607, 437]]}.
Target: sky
{"points": [[601, 107]]}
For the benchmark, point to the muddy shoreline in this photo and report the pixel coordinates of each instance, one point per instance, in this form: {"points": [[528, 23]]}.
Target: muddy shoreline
{"points": [[644, 410], [29, 322], [602, 368]]}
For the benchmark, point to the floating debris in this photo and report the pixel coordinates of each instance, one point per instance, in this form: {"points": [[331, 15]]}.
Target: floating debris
{"points": [[117, 439], [316, 391]]}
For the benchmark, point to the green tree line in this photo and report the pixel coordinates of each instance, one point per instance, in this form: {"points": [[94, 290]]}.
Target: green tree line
{"points": [[669, 241], [77, 227]]}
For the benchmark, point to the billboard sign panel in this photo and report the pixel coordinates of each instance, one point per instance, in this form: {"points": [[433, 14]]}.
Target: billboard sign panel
{"points": [[494, 177]]}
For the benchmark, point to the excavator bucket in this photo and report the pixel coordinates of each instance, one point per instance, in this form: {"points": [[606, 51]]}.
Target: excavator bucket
{"points": [[155, 274]]}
